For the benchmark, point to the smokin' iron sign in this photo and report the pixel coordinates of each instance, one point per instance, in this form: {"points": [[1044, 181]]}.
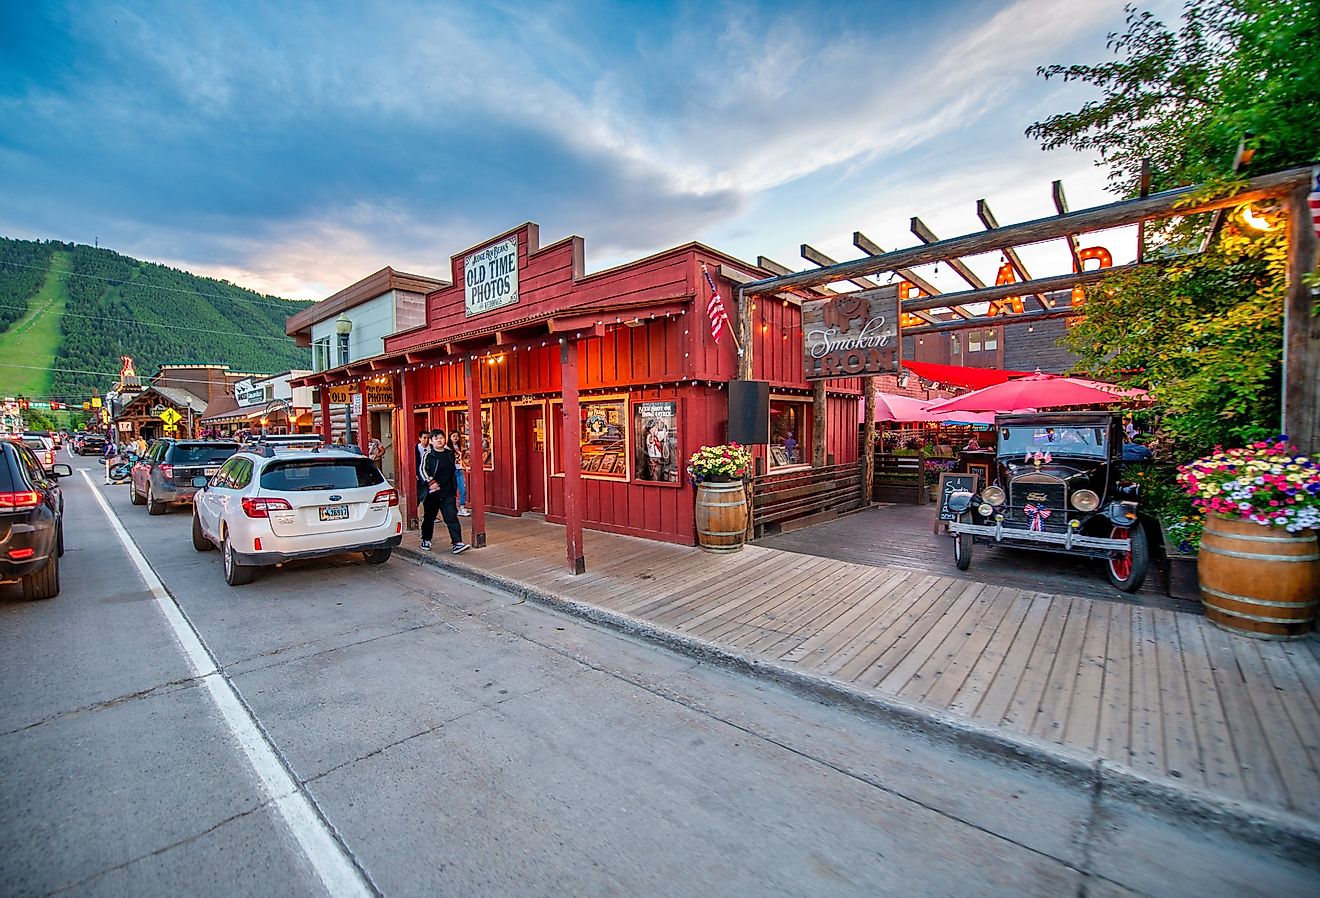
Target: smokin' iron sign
{"points": [[850, 336]]}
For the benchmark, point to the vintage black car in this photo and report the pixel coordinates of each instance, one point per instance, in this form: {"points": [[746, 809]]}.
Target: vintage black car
{"points": [[1058, 487]]}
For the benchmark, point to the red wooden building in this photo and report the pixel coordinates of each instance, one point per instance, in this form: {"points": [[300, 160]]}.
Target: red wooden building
{"points": [[591, 390]]}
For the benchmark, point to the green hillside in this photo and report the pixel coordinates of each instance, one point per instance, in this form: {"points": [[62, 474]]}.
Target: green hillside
{"points": [[68, 312]]}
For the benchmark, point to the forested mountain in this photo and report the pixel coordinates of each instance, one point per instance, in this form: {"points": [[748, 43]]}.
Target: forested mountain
{"points": [[111, 305]]}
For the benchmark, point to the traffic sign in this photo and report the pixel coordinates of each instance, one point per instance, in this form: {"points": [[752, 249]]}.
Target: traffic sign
{"points": [[170, 417], [170, 428]]}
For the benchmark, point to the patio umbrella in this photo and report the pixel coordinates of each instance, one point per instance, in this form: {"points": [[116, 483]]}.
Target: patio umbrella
{"points": [[1038, 391], [907, 409]]}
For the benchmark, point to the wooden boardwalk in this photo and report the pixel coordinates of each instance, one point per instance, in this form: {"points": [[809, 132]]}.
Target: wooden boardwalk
{"points": [[1156, 689]]}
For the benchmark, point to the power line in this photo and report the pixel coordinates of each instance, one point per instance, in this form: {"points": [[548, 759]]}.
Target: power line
{"points": [[95, 277], [173, 380]]}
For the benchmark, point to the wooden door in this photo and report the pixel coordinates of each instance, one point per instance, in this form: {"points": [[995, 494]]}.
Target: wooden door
{"points": [[530, 447]]}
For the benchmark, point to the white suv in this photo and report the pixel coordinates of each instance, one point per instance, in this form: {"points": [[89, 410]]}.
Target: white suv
{"points": [[268, 505]]}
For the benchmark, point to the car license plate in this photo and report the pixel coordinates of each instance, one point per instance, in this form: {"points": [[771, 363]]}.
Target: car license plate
{"points": [[210, 472], [334, 512]]}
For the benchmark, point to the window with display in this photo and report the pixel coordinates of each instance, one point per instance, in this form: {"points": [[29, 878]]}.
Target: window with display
{"points": [[656, 455], [602, 437], [788, 432], [458, 423]]}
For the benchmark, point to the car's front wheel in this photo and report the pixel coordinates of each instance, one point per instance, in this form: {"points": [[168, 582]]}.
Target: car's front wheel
{"points": [[236, 574], [1127, 570], [45, 583], [378, 556], [962, 550], [200, 542]]}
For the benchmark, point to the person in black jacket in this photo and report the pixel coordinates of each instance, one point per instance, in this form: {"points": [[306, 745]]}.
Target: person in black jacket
{"points": [[437, 469], [419, 452]]}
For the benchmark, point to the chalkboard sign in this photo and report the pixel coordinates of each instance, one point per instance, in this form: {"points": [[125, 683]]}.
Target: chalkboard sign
{"points": [[950, 483]]}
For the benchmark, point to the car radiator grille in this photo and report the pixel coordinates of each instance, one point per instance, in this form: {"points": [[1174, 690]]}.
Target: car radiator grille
{"points": [[1041, 491]]}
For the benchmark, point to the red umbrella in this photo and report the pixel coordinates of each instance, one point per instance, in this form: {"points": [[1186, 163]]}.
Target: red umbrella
{"points": [[1038, 391], [892, 407]]}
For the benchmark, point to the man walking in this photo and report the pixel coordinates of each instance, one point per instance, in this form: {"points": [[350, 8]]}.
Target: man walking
{"points": [[419, 453], [437, 469]]}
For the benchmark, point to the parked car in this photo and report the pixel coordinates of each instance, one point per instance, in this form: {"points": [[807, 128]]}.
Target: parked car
{"points": [[164, 476], [270, 505], [1058, 487], [91, 444], [31, 520], [42, 446]]}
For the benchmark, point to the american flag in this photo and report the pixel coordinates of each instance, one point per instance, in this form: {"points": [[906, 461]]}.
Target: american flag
{"points": [[1314, 200], [715, 307]]}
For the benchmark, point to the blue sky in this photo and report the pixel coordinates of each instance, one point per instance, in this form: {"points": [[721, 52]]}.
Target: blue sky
{"points": [[296, 147]]}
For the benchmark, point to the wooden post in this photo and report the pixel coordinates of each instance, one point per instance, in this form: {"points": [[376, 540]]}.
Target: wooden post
{"points": [[1301, 330], [570, 430], [476, 475], [327, 433], [745, 304], [363, 420], [818, 424], [868, 439], [405, 445]]}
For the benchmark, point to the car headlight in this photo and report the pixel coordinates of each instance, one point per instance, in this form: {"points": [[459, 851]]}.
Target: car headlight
{"points": [[1085, 500], [985, 510], [994, 495]]}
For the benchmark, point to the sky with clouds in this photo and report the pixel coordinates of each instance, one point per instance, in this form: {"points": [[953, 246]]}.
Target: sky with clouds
{"points": [[295, 147]]}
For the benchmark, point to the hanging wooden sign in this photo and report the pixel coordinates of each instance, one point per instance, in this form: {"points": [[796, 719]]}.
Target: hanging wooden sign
{"points": [[851, 336]]}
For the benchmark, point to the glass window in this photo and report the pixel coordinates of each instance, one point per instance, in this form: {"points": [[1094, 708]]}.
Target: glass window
{"points": [[458, 423], [320, 474], [1062, 440], [603, 436], [656, 455], [974, 341], [788, 432], [225, 476], [203, 454], [991, 339]]}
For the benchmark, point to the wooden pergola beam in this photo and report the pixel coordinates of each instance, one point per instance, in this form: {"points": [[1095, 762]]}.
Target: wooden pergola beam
{"points": [[991, 223], [1127, 212], [1061, 206], [989, 294], [862, 242], [811, 254], [927, 236]]}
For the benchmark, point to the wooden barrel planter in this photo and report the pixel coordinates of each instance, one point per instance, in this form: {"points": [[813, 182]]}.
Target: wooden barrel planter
{"points": [[721, 516], [1258, 580]]}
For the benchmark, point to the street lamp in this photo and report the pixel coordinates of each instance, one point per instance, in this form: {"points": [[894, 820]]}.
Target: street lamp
{"points": [[343, 327]]}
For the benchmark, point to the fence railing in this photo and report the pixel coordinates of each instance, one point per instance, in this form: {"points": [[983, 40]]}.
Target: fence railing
{"points": [[799, 498]]}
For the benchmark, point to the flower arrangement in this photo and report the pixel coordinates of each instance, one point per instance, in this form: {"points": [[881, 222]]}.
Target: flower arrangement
{"points": [[1183, 536], [934, 467], [1270, 482], [719, 464]]}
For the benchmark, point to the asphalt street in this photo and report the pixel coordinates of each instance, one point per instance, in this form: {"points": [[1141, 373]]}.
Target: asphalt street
{"points": [[439, 738]]}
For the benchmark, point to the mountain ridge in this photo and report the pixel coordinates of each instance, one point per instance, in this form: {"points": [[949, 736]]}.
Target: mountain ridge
{"points": [[110, 305]]}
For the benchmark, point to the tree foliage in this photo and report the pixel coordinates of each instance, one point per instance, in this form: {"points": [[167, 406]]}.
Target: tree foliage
{"points": [[1203, 331]]}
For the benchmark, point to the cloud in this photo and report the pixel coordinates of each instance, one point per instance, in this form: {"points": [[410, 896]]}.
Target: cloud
{"points": [[302, 146]]}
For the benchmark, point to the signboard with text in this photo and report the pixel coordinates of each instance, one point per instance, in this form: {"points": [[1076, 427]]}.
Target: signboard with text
{"points": [[247, 393], [490, 277], [377, 394], [851, 336]]}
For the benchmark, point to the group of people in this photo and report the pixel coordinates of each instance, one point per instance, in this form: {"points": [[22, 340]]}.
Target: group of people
{"points": [[441, 486]]}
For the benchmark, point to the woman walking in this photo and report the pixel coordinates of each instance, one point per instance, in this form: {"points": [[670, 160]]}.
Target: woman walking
{"points": [[455, 446]]}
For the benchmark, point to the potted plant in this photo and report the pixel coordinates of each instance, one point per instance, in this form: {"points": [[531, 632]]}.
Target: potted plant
{"points": [[718, 473], [1259, 567], [1182, 542]]}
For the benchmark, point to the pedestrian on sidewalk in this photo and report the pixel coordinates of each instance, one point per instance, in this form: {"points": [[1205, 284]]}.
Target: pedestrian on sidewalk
{"points": [[419, 452], [110, 455], [437, 469], [460, 476]]}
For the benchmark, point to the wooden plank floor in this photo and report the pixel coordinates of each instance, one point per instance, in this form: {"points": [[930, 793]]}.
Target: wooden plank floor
{"points": [[1140, 681]]}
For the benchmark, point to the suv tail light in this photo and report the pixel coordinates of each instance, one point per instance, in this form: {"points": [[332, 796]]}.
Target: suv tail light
{"points": [[261, 508], [391, 496], [50, 457], [167, 471], [28, 499]]}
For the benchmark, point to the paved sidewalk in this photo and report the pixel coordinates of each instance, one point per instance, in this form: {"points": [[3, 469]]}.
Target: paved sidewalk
{"points": [[1158, 692]]}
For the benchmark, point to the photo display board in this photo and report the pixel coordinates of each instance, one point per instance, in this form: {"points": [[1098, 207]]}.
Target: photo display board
{"points": [[851, 336], [655, 443], [458, 422], [603, 434]]}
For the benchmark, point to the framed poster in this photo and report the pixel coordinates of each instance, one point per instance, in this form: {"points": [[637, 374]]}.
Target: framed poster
{"points": [[656, 454], [603, 436]]}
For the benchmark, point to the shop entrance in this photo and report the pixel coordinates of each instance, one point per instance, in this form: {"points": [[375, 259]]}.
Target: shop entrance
{"points": [[529, 423], [382, 428]]}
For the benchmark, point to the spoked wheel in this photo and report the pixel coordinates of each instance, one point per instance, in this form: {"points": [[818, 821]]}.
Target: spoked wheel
{"points": [[1127, 570], [962, 549], [235, 574]]}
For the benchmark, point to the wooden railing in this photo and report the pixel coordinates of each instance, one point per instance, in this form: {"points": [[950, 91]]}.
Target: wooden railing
{"points": [[900, 478], [797, 499]]}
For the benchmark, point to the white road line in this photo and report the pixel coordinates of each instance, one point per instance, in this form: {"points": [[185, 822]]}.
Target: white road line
{"points": [[318, 845]]}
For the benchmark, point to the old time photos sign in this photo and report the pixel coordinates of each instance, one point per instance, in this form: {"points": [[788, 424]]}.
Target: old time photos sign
{"points": [[851, 336], [490, 277]]}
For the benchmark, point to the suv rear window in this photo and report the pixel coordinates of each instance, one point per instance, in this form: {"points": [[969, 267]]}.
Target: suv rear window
{"points": [[34, 443], [320, 474], [203, 454]]}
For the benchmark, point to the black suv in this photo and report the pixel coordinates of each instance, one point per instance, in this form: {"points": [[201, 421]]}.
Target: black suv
{"points": [[31, 520], [164, 476], [91, 444], [1057, 487]]}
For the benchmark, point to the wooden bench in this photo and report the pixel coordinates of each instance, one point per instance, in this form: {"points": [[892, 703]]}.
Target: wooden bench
{"points": [[795, 499]]}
